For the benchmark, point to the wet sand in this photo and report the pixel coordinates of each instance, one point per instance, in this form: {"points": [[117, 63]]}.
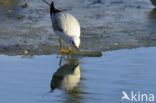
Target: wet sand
{"points": [[105, 25]]}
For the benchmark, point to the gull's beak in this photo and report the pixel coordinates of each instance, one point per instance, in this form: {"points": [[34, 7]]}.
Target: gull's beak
{"points": [[77, 48]]}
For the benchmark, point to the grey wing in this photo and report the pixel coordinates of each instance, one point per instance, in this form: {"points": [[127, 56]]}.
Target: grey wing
{"points": [[56, 24]]}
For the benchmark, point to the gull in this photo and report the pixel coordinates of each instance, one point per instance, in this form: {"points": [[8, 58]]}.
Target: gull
{"points": [[66, 27]]}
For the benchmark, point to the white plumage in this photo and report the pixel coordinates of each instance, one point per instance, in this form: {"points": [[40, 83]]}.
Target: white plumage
{"points": [[68, 24]]}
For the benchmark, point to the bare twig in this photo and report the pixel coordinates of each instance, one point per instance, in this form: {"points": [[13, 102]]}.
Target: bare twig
{"points": [[46, 2]]}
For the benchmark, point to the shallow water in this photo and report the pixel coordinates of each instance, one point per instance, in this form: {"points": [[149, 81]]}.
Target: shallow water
{"points": [[105, 25], [83, 79]]}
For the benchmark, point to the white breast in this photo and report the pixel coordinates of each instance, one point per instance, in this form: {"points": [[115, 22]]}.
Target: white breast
{"points": [[67, 23]]}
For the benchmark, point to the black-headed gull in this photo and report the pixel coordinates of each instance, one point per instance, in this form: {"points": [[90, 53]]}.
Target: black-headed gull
{"points": [[66, 27]]}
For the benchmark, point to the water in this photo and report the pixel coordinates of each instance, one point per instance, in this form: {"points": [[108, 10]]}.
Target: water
{"points": [[82, 79]]}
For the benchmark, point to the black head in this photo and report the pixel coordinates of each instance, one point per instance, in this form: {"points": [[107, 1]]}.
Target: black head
{"points": [[52, 8]]}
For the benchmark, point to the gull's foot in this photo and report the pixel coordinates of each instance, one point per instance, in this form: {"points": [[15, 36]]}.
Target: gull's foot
{"points": [[70, 50], [63, 52]]}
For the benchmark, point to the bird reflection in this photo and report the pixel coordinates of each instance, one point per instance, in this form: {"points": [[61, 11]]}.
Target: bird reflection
{"points": [[66, 77]]}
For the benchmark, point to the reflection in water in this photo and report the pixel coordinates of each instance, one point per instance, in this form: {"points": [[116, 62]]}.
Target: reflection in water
{"points": [[67, 76]]}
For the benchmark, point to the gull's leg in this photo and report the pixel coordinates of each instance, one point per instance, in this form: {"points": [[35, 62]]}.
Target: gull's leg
{"points": [[60, 61], [69, 49], [62, 50], [67, 62]]}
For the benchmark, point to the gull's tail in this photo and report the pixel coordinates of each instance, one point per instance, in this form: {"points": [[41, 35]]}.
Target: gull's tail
{"points": [[52, 8]]}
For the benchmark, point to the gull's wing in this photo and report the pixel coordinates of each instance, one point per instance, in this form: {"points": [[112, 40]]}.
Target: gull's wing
{"points": [[66, 23], [56, 23]]}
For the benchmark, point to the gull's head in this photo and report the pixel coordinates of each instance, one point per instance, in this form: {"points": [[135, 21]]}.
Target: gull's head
{"points": [[75, 42]]}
